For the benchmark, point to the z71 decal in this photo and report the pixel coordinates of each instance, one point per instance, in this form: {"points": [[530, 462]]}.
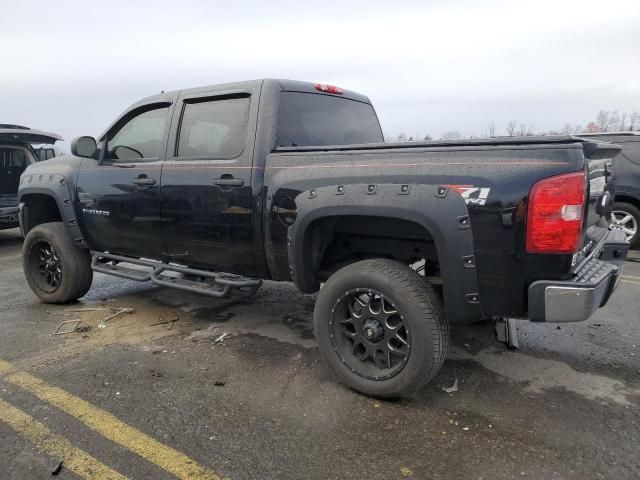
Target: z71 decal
{"points": [[472, 195]]}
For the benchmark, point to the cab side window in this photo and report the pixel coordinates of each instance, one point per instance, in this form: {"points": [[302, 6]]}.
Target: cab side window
{"points": [[214, 128], [141, 137]]}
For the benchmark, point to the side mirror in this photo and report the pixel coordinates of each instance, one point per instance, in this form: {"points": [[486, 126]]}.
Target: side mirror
{"points": [[84, 147]]}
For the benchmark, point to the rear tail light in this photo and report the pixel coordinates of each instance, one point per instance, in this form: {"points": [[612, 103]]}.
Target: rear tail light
{"points": [[329, 88], [555, 214]]}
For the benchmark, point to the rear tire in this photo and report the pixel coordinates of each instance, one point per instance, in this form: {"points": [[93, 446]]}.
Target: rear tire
{"points": [[381, 328], [55, 268], [627, 216]]}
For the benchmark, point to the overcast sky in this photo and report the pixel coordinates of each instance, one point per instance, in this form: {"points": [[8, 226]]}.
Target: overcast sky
{"points": [[428, 67]]}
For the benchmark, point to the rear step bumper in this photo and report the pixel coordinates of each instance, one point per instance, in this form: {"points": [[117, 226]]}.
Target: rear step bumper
{"points": [[593, 283]]}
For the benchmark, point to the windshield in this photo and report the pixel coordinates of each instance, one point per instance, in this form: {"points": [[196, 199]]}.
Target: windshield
{"points": [[309, 119]]}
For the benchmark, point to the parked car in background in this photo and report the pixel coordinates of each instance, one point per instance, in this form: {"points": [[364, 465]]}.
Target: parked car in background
{"points": [[16, 154], [47, 152], [626, 168]]}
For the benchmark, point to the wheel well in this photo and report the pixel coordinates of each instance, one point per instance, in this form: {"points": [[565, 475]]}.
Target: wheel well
{"points": [[334, 242], [627, 199], [38, 209]]}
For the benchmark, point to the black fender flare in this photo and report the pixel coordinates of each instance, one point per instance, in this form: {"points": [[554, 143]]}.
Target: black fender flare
{"points": [[56, 187], [438, 209]]}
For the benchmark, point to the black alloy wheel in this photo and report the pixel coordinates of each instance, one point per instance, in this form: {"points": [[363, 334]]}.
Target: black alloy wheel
{"points": [[369, 334], [45, 263]]}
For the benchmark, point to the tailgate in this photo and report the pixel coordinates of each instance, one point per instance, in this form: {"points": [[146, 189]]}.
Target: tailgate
{"points": [[18, 134], [601, 193]]}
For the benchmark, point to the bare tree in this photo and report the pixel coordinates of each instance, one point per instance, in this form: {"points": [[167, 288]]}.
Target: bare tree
{"points": [[524, 130], [427, 137], [614, 125], [491, 129], [603, 120], [592, 128], [402, 137], [577, 129], [511, 127], [634, 121], [622, 124], [567, 129], [451, 135]]}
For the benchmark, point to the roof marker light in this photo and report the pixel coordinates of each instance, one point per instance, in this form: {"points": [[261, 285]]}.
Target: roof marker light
{"points": [[329, 88]]}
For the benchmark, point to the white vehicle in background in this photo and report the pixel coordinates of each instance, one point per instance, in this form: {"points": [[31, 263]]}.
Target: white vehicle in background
{"points": [[17, 152], [47, 152]]}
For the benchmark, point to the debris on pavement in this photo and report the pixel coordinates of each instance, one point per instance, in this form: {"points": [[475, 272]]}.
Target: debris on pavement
{"points": [[406, 472], [83, 328], [61, 330], [118, 312], [221, 338], [219, 383], [168, 323], [88, 309], [452, 389], [57, 468]]}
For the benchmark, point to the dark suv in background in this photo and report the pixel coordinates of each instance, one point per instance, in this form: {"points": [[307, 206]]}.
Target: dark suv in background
{"points": [[626, 211]]}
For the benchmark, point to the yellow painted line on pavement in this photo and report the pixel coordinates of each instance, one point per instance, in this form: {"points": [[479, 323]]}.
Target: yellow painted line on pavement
{"points": [[75, 459], [109, 426], [6, 367], [631, 277], [630, 282]]}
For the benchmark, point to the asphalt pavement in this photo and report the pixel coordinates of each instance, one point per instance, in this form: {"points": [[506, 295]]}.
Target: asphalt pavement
{"points": [[192, 387]]}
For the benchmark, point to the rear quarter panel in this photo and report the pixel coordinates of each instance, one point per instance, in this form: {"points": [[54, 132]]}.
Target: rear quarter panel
{"points": [[507, 173]]}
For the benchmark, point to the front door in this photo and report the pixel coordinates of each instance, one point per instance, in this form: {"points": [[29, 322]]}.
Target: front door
{"points": [[119, 194], [206, 183]]}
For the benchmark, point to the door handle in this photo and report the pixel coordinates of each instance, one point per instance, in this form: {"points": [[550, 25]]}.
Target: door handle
{"points": [[144, 181], [228, 181]]}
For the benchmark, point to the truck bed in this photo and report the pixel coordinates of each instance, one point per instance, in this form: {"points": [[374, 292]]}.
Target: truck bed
{"points": [[469, 142], [493, 175]]}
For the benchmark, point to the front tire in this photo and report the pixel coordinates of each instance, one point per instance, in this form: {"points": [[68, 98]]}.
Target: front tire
{"points": [[381, 328], [627, 216], [56, 270]]}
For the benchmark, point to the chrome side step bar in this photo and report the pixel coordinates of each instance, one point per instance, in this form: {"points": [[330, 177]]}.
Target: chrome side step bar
{"points": [[219, 284]]}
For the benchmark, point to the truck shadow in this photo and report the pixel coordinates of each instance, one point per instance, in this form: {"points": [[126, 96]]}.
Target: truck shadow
{"points": [[10, 238]]}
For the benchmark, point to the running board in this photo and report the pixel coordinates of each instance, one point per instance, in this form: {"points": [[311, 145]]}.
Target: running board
{"points": [[221, 284]]}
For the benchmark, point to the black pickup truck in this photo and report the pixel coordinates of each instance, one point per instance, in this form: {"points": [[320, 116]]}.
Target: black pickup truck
{"points": [[291, 181]]}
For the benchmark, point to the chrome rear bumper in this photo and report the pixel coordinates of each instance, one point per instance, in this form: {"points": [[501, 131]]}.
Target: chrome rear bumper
{"points": [[591, 287]]}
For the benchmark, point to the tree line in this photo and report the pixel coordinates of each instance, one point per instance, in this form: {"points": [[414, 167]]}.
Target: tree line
{"points": [[605, 121]]}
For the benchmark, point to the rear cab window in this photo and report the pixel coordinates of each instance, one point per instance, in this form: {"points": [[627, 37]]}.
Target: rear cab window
{"points": [[314, 119], [214, 128]]}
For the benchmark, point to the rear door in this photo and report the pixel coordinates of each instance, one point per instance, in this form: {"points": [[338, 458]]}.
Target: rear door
{"points": [[119, 194], [207, 198]]}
